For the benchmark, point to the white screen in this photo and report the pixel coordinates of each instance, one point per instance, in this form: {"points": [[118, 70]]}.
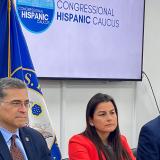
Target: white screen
{"points": [[107, 44]]}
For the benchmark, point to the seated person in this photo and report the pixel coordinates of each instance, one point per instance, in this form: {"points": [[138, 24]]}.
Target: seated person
{"points": [[149, 141], [17, 141], [101, 139]]}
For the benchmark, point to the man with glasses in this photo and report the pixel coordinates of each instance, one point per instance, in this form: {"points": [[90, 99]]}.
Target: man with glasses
{"points": [[18, 142]]}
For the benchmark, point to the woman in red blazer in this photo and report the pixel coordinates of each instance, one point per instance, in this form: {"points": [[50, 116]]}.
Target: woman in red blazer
{"points": [[101, 139]]}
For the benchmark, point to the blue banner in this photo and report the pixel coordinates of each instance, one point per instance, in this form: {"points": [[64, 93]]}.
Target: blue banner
{"points": [[15, 61]]}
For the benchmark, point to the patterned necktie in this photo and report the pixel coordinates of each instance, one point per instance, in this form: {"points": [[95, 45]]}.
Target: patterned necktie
{"points": [[15, 151]]}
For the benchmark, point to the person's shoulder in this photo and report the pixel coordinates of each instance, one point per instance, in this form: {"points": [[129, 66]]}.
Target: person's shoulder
{"points": [[81, 143], [81, 139], [154, 123], [123, 139], [127, 147], [30, 131], [151, 129]]}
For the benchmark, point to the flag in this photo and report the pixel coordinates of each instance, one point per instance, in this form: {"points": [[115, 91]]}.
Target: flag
{"points": [[15, 61]]}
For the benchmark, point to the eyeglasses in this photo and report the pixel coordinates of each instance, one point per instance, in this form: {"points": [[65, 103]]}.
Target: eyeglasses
{"points": [[19, 104]]}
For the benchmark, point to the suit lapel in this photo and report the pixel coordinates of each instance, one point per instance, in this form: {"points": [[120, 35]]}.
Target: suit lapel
{"points": [[4, 150], [28, 145]]}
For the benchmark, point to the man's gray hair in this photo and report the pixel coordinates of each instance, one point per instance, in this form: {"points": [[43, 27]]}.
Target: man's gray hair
{"points": [[10, 83]]}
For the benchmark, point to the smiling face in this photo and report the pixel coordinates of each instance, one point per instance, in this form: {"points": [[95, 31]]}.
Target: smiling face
{"points": [[11, 116], [104, 119]]}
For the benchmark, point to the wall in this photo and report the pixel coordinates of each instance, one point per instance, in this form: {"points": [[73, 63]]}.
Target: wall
{"points": [[67, 100], [145, 104]]}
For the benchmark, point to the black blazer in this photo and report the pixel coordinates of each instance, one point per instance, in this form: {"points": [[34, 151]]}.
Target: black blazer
{"points": [[149, 141], [33, 143]]}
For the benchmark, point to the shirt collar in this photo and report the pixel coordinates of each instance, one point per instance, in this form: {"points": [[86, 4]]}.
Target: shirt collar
{"points": [[7, 134]]}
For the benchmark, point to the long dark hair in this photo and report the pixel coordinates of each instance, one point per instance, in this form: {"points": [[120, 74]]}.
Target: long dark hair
{"points": [[118, 152]]}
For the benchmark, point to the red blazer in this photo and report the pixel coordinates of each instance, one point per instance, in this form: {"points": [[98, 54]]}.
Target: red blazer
{"points": [[82, 148]]}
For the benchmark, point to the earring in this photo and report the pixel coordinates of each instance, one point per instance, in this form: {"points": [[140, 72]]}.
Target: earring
{"points": [[92, 124]]}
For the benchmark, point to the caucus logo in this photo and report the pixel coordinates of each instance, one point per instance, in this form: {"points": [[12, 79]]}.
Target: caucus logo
{"points": [[36, 15]]}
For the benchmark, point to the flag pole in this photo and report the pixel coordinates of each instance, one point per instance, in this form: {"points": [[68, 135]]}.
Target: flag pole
{"points": [[9, 39]]}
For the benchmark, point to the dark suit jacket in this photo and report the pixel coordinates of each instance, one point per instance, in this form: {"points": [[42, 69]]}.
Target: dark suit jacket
{"points": [[33, 143], [149, 141]]}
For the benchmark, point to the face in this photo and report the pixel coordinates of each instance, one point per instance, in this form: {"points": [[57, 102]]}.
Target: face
{"points": [[12, 115], [104, 119]]}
